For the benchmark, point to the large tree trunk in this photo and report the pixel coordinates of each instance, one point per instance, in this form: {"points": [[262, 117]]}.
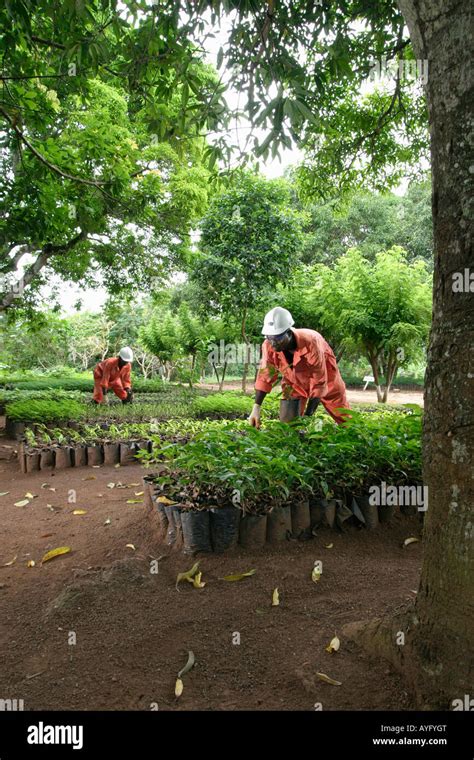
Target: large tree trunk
{"points": [[443, 624]]}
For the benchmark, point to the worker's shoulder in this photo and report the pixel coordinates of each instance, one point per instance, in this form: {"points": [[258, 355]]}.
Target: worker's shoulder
{"points": [[312, 339], [305, 335]]}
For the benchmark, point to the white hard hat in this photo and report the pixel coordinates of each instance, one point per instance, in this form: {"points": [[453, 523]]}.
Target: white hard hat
{"points": [[126, 354], [277, 321]]}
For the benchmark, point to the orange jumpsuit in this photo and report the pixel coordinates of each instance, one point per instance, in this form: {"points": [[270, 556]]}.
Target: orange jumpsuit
{"points": [[313, 374], [107, 374]]}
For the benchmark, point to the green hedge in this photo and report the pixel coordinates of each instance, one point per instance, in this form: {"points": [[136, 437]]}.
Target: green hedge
{"points": [[44, 410], [77, 384]]}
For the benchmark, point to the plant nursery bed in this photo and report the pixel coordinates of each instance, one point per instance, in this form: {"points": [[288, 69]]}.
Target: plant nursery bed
{"points": [[135, 628]]}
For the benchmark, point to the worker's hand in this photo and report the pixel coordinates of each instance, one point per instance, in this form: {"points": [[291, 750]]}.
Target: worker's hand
{"points": [[254, 418], [129, 397]]}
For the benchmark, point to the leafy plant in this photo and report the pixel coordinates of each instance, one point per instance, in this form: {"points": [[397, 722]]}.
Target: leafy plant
{"points": [[44, 410]]}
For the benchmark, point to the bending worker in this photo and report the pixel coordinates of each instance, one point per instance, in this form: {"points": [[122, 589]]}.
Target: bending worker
{"points": [[308, 367], [114, 374]]}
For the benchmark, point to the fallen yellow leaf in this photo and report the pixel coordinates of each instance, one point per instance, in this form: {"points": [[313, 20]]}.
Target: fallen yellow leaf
{"points": [[197, 581], [411, 540], [4, 493], [80, 512], [55, 553], [130, 546], [31, 563], [134, 501], [238, 576], [165, 500], [90, 477], [189, 664], [178, 689], [110, 485], [275, 598], [22, 503], [189, 575], [108, 521], [329, 546], [326, 679], [139, 493], [30, 495], [333, 645], [12, 562], [315, 575]]}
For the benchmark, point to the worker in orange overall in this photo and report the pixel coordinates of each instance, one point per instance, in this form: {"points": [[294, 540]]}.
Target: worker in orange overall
{"points": [[308, 368], [114, 374]]}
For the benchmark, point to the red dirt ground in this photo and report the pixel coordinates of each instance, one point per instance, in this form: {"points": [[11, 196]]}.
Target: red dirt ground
{"points": [[134, 629]]}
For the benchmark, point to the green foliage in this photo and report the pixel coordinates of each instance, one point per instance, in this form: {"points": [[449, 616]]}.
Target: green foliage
{"points": [[230, 404], [285, 461], [73, 383], [372, 223], [250, 240], [381, 308], [44, 410]]}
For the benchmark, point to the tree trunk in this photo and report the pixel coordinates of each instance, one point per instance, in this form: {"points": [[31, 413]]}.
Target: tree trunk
{"points": [[221, 382], [390, 374], [246, 362], [374, 363], [442, 626]]}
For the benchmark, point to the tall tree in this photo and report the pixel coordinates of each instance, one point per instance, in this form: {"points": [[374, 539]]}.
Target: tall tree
{"points": [[371, 222], [381, 308], [250, 240]]}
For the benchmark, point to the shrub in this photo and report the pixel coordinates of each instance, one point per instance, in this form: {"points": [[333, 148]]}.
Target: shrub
{"points": [[44, 410]]}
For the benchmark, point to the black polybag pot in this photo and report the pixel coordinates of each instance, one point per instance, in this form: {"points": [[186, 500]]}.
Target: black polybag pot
{"points": [[94, 455], [300, 520], [46, 459], [279, 524], [62, 457], [174, 534], [253, 531], [111, 453], [79, 455], [196, 531], [317, 508], [224, 524], [32, 461], [162, 517], [370, 511]]}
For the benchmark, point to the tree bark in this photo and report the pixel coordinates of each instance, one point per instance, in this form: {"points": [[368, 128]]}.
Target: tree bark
{"points": [[374, 363], [438, 652], [246, 362]]}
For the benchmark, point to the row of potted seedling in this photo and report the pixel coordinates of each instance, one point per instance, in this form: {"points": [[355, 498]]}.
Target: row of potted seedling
{"points": [[217, 528], [79, 455]]}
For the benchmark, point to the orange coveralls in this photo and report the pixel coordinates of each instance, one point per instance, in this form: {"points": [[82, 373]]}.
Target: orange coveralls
{"points": [[314, 373], [108, 375]]}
